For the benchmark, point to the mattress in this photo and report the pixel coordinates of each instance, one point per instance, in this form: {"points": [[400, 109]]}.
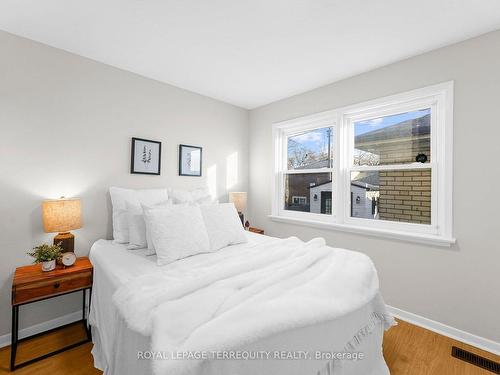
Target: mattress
{"points": [[118, 350]]}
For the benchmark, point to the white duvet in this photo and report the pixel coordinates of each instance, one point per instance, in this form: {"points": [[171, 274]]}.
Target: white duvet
{"points": [[231, 298]]}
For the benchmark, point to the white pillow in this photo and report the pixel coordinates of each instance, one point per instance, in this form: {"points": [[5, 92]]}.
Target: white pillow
{"points": [[223, 225], [201, 195], [138, 238], [119, 197], [137, 228], [177, 231], [149, 242]]}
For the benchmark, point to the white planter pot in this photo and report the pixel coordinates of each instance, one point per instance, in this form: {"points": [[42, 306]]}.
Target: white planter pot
{"points": [[49, 266]]}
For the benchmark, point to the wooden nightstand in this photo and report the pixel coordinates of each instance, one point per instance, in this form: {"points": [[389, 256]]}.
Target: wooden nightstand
{"points": [[256, 230], [31, 284]]}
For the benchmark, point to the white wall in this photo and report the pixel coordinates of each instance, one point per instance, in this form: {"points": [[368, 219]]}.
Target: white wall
{"points": [[458, 286], [65, 129]]}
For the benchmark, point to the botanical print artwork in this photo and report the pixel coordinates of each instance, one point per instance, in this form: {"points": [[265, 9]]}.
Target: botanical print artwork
{"points": [[146, 156], [190, 160]]}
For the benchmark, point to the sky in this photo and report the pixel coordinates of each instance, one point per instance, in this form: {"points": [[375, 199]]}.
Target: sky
{"points": [[362, 127], [316, 140]]}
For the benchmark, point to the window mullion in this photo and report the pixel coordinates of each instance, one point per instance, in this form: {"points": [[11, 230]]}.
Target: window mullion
{"points": [[340, 164], [308, 171], [391, 167]]}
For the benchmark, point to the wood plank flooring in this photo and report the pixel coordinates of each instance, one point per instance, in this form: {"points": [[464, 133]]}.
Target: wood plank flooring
{"points": [[411, 350], [408, 350], [77, 361]]}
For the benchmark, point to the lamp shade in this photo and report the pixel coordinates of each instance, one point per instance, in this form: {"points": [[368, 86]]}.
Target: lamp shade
{"points": [[239, 198], [61, 215]]}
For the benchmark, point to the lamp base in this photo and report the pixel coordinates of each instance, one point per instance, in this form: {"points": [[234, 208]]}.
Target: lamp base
{"points": [[67, 241], [241, 218]]}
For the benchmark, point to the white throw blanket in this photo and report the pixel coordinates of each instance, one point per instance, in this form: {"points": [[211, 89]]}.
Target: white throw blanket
{"points": [[231, 298]]}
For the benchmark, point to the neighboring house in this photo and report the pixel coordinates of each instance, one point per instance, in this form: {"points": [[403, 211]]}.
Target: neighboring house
{"points": [[313, 193], [365, 196], [297, 193], [361, 205], [320, 198]]}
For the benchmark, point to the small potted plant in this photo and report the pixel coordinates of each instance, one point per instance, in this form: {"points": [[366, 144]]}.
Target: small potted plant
{"points": [[47, 255]]}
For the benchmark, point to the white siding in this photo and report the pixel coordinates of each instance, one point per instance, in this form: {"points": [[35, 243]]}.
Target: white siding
{"points": [[316, 204]]}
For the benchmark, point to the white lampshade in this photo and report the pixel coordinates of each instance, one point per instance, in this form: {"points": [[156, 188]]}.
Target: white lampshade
{"points": [[239, 198]]}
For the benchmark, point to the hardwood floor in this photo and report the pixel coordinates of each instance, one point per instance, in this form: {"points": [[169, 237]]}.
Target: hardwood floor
{"points": [[411, 350], [408, 350], [77, 361]]}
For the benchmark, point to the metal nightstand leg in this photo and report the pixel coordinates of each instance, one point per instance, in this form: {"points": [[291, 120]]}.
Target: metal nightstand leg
{"points": [[14, 336], [86, 311]]}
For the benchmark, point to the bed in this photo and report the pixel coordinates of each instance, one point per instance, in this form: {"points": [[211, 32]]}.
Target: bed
{"points": [[307, 349]]}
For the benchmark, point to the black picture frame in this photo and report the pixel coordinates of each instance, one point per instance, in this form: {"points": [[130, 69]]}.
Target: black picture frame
{"points": [[183, 173], [134, 169]]}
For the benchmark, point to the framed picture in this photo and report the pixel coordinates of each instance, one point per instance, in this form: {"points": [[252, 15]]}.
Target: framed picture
{"points": [[189, 160], [145, 156]]}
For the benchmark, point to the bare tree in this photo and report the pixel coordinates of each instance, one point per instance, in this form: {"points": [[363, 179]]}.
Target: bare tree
{"points": [[298, 155], [365, 158]]}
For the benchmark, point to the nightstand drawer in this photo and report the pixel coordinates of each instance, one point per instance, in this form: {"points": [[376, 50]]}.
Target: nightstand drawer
{"points": [[256, 230], [34, 291]]}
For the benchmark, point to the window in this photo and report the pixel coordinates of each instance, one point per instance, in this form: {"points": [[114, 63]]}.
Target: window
{"points": [[382, 167], [299, 201], [309, 161], [382, 146]]}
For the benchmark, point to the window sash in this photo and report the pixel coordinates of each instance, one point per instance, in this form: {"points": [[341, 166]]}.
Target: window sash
{"points": [[326, 121], [383, 110], [431, 228], [309, 171], [391, 167], [349, 120]]}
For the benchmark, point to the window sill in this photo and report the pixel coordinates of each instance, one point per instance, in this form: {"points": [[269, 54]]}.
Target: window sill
{"points": [[427, 239]]}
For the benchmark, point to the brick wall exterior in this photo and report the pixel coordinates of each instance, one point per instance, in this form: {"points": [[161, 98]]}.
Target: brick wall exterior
{"points": [[405, 196]]}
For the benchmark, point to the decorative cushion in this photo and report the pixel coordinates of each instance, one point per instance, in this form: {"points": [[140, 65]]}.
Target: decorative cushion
{"points": [[223, 225], [149, 242], [177, 231], [138, 233]]}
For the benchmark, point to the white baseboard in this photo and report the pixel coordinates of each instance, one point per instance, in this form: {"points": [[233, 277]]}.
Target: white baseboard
{"points": [[442, 329], [445, 330], [41, 327]]}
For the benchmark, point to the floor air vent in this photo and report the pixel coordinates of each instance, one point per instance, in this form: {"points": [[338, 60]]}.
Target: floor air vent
{"points": [[476, 360]]}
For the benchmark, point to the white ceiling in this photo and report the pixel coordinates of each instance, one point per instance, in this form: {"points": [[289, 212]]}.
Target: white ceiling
{"points": [[248, 53]]}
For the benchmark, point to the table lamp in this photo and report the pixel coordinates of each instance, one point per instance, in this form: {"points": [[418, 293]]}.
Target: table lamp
{"points": [[61, 216], [239, 198]]}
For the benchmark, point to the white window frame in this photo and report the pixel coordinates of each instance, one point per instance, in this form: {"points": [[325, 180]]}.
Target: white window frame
{"points": [[281, 134], [437, 97]]}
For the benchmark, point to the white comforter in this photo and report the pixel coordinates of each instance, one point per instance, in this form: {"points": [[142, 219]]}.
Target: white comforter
{"points": [[232, 298]]}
